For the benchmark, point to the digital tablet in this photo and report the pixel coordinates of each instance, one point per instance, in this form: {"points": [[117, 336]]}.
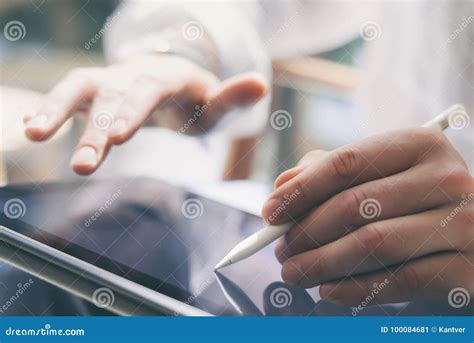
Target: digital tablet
{"points": [[140, 246]]}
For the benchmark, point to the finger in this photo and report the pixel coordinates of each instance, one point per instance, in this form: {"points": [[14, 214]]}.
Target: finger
{"points": [[76, 88], [281, 250], [287, 175], [238, 91], [379, 245], [145, 95], [94, 143], [373, 158], [90, 152], [311, 157], [427, 278], [398, 195]]}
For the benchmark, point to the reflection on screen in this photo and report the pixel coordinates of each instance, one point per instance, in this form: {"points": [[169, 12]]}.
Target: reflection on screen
{"points": [[164, 238]]}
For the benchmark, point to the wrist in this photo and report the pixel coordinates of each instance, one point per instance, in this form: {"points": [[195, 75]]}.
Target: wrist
{"points": [[198, 48]]}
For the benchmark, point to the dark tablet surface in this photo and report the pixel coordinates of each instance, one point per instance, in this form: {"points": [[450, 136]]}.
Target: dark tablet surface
{"points": [[159, 236], [167, 239]]}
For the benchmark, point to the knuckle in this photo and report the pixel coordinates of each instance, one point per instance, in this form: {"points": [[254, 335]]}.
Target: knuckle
{"points": [[350, 203], [407, 281], [346, 162], [374, 239]]}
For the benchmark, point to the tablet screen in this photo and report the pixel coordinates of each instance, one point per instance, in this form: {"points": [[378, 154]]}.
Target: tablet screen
{"points": [[160, 236]]}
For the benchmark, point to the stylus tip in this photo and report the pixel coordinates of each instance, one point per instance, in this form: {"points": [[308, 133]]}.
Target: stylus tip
{"points": [[223, 263]]}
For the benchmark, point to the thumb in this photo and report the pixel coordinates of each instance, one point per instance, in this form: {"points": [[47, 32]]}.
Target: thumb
{"points": [[238, 91]]}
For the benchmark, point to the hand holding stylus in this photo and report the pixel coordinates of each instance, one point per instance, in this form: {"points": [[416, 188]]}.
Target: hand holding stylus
{"points": [[378, 211]]}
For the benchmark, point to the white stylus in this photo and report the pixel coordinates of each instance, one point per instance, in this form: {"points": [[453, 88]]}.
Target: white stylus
{"points": [[268, 234]]}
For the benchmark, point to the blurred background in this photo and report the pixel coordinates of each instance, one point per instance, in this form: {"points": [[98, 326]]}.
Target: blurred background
{"points": [[318, 92]]}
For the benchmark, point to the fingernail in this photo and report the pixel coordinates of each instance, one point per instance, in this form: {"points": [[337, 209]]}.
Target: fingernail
{"points": [[281, 250], [38, 122], [85, 156], [287, 176], [119, 127], [271, 210], [326, 290], [291, 273]]}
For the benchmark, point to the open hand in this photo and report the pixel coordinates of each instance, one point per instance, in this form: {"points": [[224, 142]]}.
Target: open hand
{"points": [[122, 96]]}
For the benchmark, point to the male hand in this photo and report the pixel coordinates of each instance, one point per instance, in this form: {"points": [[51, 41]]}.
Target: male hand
{"points": [[122, 96], [394, 211]]}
